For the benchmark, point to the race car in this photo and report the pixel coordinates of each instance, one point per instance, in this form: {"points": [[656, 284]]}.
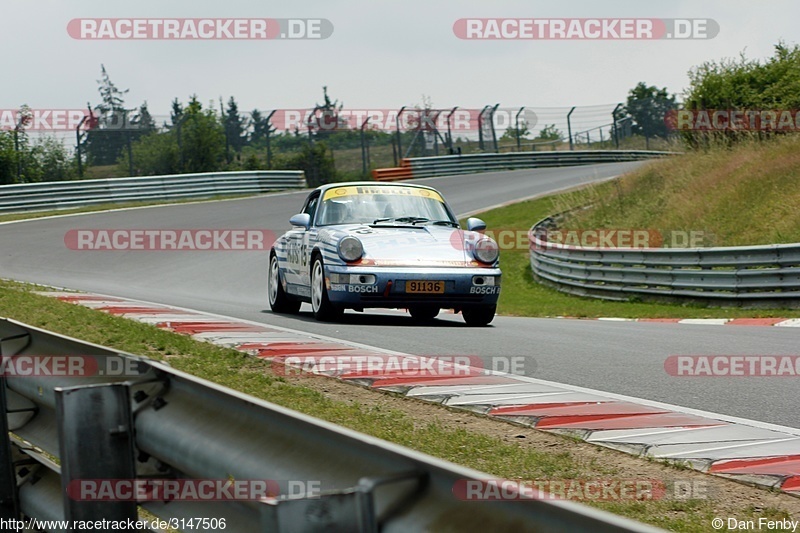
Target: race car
{"points": [[375, 245]]}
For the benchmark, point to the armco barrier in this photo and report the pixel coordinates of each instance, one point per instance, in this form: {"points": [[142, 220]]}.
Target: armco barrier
{"points": [[742, 275], [157, 422], [425, 167], [69, 194]]}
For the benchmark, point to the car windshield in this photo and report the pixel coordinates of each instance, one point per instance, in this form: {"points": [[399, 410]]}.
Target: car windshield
{"points": [[383, 205]]}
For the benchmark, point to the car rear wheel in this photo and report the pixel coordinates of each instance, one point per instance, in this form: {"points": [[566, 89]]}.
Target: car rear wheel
{"points": [[423, 313], [321, 306], [279, 301], [479, 315]]}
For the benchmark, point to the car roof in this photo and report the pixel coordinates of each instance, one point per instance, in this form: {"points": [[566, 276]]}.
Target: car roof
{"points": [[370, 184]]}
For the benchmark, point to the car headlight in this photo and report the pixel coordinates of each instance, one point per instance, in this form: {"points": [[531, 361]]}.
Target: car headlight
{"points": [[486, 250], [350, 249]]}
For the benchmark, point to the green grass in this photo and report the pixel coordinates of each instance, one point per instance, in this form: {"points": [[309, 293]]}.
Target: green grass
{"points": [[746, 195], [522, 296], [252, 376]]}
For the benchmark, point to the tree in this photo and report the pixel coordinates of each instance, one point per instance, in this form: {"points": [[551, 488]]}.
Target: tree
{"points": [[511, 132], [648, 106], [234, 126], [202, 139], [194, 143], [176, 112], [104, 143], [549, 133], [50, 161], [747, 84], [326, 119], [155, 154], [143, 120], [8, 158], [315, 161], [259, 127]]}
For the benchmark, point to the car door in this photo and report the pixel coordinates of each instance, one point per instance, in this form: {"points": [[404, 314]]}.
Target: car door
{"points": [[298, 251]]}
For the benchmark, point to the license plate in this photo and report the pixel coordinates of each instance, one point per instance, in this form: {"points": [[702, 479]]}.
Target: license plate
{"points": [[425, 287]]}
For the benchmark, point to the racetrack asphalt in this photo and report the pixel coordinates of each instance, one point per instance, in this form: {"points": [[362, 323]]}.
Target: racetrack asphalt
{"points": [[620, 357]]}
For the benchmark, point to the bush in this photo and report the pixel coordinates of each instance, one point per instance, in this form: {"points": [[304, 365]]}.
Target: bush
{"points": [[315, 160]]}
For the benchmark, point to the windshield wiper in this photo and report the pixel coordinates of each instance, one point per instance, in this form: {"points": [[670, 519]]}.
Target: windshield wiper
{"points": [[418, 220], [444, 223], [412, 220]]}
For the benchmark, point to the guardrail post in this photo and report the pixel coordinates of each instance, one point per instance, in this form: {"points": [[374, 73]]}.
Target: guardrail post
{"points": [[96, 442], [9, 495]]}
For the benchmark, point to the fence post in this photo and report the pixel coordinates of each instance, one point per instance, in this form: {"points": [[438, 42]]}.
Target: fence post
{"points": [[494, 133], [364, 149], [569, 128], [616, 129], [397, 126], [269, 134]]}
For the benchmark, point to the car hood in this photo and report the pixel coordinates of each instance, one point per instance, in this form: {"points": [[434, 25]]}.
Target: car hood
{"points": [[411, 246]]}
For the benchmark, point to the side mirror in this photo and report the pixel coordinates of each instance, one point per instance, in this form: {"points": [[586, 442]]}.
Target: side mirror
{"points": [[301, 219], [475, 224]]}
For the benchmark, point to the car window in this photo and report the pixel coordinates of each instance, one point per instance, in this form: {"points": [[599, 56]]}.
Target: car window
{"points": [[311, 206], [362, 205]]}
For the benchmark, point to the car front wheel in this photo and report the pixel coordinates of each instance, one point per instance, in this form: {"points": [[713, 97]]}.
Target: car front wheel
{"points": [[479, 315], [321, 306], [279, 301]]}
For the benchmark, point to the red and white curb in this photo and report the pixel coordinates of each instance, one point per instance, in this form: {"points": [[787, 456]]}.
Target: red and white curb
{"points": [[749, 451], [779, 322]]}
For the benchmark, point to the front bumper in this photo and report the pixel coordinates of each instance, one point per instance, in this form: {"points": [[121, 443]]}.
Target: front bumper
{"points": [[389, 287]]}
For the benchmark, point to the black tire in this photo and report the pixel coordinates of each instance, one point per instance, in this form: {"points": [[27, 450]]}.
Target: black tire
{"points": [[279, 301], [321, 306], [423, 313], [478, 316]]}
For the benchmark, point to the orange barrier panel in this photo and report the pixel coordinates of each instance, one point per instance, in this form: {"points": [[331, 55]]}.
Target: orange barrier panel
{"points": [[392, 174]]}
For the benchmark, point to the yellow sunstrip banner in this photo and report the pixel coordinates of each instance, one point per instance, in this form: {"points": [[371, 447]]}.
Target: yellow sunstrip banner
{"points": [[340, 192]]}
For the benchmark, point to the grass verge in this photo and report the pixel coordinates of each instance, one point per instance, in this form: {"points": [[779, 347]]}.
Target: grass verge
{"points": [[501, 449], [733, 196], [522, 296]]}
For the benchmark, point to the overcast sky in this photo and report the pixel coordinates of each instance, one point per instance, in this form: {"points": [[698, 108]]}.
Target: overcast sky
{"points": [[382, 54]]}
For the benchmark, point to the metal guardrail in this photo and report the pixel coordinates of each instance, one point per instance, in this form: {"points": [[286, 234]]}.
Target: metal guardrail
{"points": [[424, 167], [159, 422], [70, 194], [742, 275]]}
